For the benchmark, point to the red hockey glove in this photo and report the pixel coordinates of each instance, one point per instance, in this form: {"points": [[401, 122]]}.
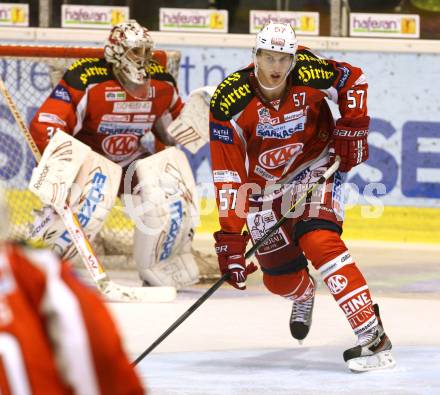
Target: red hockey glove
{"points": [[350, 141], [230, 249]]}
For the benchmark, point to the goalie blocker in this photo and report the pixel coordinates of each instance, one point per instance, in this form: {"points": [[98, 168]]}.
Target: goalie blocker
{"points": [[163, 206]]}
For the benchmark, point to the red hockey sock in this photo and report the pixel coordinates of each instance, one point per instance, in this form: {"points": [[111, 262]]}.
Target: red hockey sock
{"points": [[330, 257], [294, 286]]}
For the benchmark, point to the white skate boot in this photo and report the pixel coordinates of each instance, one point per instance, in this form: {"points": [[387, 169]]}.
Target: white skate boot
{"points": [[373, 350], [301, 317]]}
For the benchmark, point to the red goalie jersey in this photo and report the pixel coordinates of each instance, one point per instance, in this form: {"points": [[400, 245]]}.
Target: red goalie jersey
{"points": [[56, 336], [259, 142], [92, 105]]}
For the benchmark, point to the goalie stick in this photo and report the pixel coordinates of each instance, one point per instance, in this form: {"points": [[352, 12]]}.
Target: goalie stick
{"points": [[107, 287], [327, 174]]}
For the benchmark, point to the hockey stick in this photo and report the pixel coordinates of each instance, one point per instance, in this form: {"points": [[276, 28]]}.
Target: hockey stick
{"points": [[112, 290], [327, 174]]}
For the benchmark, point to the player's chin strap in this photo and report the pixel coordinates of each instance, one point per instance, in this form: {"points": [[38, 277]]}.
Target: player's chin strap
{"points": [[327, 174]]}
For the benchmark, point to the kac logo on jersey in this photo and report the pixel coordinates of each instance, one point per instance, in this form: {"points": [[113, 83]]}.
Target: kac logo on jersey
{"points": [[61, 93], [120, 146], [277, 157]]}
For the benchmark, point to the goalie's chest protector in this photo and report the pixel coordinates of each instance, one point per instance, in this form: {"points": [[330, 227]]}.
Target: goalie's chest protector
{"points": [[113, 121]]}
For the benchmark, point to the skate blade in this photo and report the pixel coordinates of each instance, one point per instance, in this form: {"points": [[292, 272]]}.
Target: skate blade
{"points": [[381, 360], [300, 342]]}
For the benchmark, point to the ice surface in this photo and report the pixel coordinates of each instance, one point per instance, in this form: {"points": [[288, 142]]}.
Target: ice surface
{"points": [[238, 343]]}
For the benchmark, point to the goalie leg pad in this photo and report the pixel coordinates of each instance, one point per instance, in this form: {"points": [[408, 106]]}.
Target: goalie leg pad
{"points": [[178, 271], [91, 197], [165, 212]]}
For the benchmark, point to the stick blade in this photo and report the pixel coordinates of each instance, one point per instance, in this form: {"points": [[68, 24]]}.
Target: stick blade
{"points": [[120, 293]]}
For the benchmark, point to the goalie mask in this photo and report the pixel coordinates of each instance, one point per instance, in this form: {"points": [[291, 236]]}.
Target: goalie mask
{"points": [[274, 54], [128, 49]]}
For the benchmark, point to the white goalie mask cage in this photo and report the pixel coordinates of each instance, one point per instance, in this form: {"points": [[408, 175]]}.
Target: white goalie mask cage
{"points": [[277, 37], [129, 49]]}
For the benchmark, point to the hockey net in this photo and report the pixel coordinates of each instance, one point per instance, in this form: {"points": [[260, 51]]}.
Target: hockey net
{"points": [[30, 73]]}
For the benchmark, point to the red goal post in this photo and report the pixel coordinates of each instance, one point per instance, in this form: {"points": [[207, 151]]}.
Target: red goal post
{"points": [[29, 73]]}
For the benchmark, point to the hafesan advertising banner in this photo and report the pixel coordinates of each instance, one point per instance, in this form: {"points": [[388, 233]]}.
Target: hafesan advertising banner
{"points": [[385, 25], [92, 17], [14, 14], [193, 20], [304, 23]]}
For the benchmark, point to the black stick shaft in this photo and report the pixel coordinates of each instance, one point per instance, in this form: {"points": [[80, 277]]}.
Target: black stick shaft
{"points": [[248, 254], [183, 317]]}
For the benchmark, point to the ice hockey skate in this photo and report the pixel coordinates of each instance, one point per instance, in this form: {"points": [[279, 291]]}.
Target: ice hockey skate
{"points": [[301, 316], [373, 350]]}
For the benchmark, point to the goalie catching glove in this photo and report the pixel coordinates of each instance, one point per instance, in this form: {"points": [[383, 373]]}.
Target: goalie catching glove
{"points": [[230, 249], [191, 127], [350, 141]]}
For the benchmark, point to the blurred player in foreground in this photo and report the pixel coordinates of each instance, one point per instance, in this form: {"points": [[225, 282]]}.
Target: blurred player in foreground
{"points": [[56, 335], [118, 105], [271, 132]]}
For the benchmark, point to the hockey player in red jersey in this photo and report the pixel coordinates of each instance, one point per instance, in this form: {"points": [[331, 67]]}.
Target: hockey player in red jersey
{"points": [[115, 105], [112, 104], [56, 335], [272, 136]]}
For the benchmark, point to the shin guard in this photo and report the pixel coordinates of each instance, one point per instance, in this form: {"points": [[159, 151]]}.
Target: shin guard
{"points": [[330, 257]]}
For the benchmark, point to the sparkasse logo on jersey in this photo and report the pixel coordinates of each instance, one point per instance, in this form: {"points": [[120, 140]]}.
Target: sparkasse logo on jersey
{"points": [[112, 128], [282, 130]]}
